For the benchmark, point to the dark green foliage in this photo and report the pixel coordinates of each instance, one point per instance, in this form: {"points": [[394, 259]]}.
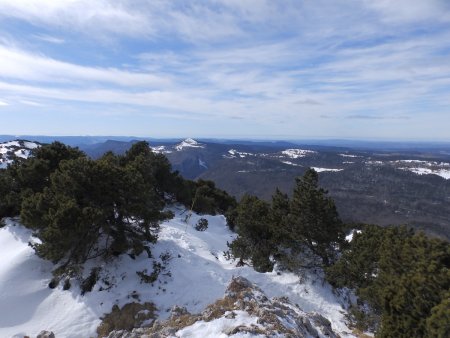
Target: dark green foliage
{"points": [[358, 267], [148, 278], [438, 324], [401, 277], [254, 230], [313, 222], [67, 284], [82, 208], [98, 208], [26, 177], [231, 216], [210, 200], [201, 225], [302, 232], [53, 283], [89, 282], [159, 269]]}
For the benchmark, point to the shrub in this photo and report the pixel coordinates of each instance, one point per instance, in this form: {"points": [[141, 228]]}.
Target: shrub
{"points": [[88, 283], [201, 225], [67, 284], [131, 315], [53, 283]]}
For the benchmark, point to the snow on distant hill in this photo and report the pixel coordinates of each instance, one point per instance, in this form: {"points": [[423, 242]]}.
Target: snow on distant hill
{"points": [[421, 167], [188, 143], [14, 149], [199, 275], [319, 170], [297, 153], [161, 150], [233, 153]]}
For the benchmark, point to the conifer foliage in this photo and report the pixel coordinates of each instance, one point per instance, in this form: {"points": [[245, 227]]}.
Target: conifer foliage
{"points": [[98, 207], [82, 208], [304, 231], [401, 279]]}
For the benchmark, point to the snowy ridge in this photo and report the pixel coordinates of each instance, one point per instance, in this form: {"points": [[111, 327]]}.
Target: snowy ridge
{"points": [[444, 173], [319, 170], [199, 275], [297, 153], [161, 150], [188, 143], [233, 153], [15, 149]]}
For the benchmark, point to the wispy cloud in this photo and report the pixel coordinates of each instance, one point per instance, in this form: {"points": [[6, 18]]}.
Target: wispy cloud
{"points": [[48, 38], [308, 66], [26, 66], [377, 117]]}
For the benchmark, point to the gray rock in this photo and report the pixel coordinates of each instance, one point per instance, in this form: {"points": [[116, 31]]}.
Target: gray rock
{"points": [[46, 334]]}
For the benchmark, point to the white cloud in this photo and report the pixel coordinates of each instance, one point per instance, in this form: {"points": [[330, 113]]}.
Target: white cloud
{"points": [[31, 103], [48, 38], [98, 17], [410, 11], [3, 103], [26, 66]]}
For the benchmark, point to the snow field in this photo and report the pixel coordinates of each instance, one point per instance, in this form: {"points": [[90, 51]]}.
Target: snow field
{"points": [[199, 276]]}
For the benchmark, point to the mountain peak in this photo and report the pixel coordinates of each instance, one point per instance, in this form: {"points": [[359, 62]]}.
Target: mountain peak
{"points": [[188, 143]]}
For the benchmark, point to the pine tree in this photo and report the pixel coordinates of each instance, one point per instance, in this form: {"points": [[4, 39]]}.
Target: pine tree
{"points": [[313, 225], [438, 324], [255, 236]]}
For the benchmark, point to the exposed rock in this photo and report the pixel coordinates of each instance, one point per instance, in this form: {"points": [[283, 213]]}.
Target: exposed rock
{"points": [[46, 334], [272, 317], [178, 311]]}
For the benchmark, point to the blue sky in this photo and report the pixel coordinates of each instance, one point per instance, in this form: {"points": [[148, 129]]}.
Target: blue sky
{"points": [[286, 69]]}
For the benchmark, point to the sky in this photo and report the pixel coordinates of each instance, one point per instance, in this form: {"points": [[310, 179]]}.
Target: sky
{"points": [[263, 69]]}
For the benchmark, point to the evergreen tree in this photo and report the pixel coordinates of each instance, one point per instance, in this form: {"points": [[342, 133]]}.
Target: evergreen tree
{"points": [[313, 226], [438, 324], [255, 236], [98, 208], [401, 280], [25, 177]]}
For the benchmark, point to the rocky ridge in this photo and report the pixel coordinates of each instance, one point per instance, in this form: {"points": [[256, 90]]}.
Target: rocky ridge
{"points": [[244, 310]]}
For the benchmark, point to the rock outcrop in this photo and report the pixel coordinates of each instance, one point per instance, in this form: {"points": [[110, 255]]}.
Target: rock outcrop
{"points": [[268, 317]]}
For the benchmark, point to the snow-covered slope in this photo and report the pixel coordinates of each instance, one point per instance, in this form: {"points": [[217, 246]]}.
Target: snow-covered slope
{"points": [[13, 149], [199, 275]]}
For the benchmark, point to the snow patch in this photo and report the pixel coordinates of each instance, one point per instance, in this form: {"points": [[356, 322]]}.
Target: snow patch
{"points": [[188, 143], [297, 153], [349, 237], [161, 150], [291, 163], [217, 327], [444, 173], [349, 155], [202, 163], [15, 149], [319, 170], [233, 153]]}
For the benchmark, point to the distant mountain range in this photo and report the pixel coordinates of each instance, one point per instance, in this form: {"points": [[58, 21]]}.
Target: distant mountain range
{"points": [[410, 186]]}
